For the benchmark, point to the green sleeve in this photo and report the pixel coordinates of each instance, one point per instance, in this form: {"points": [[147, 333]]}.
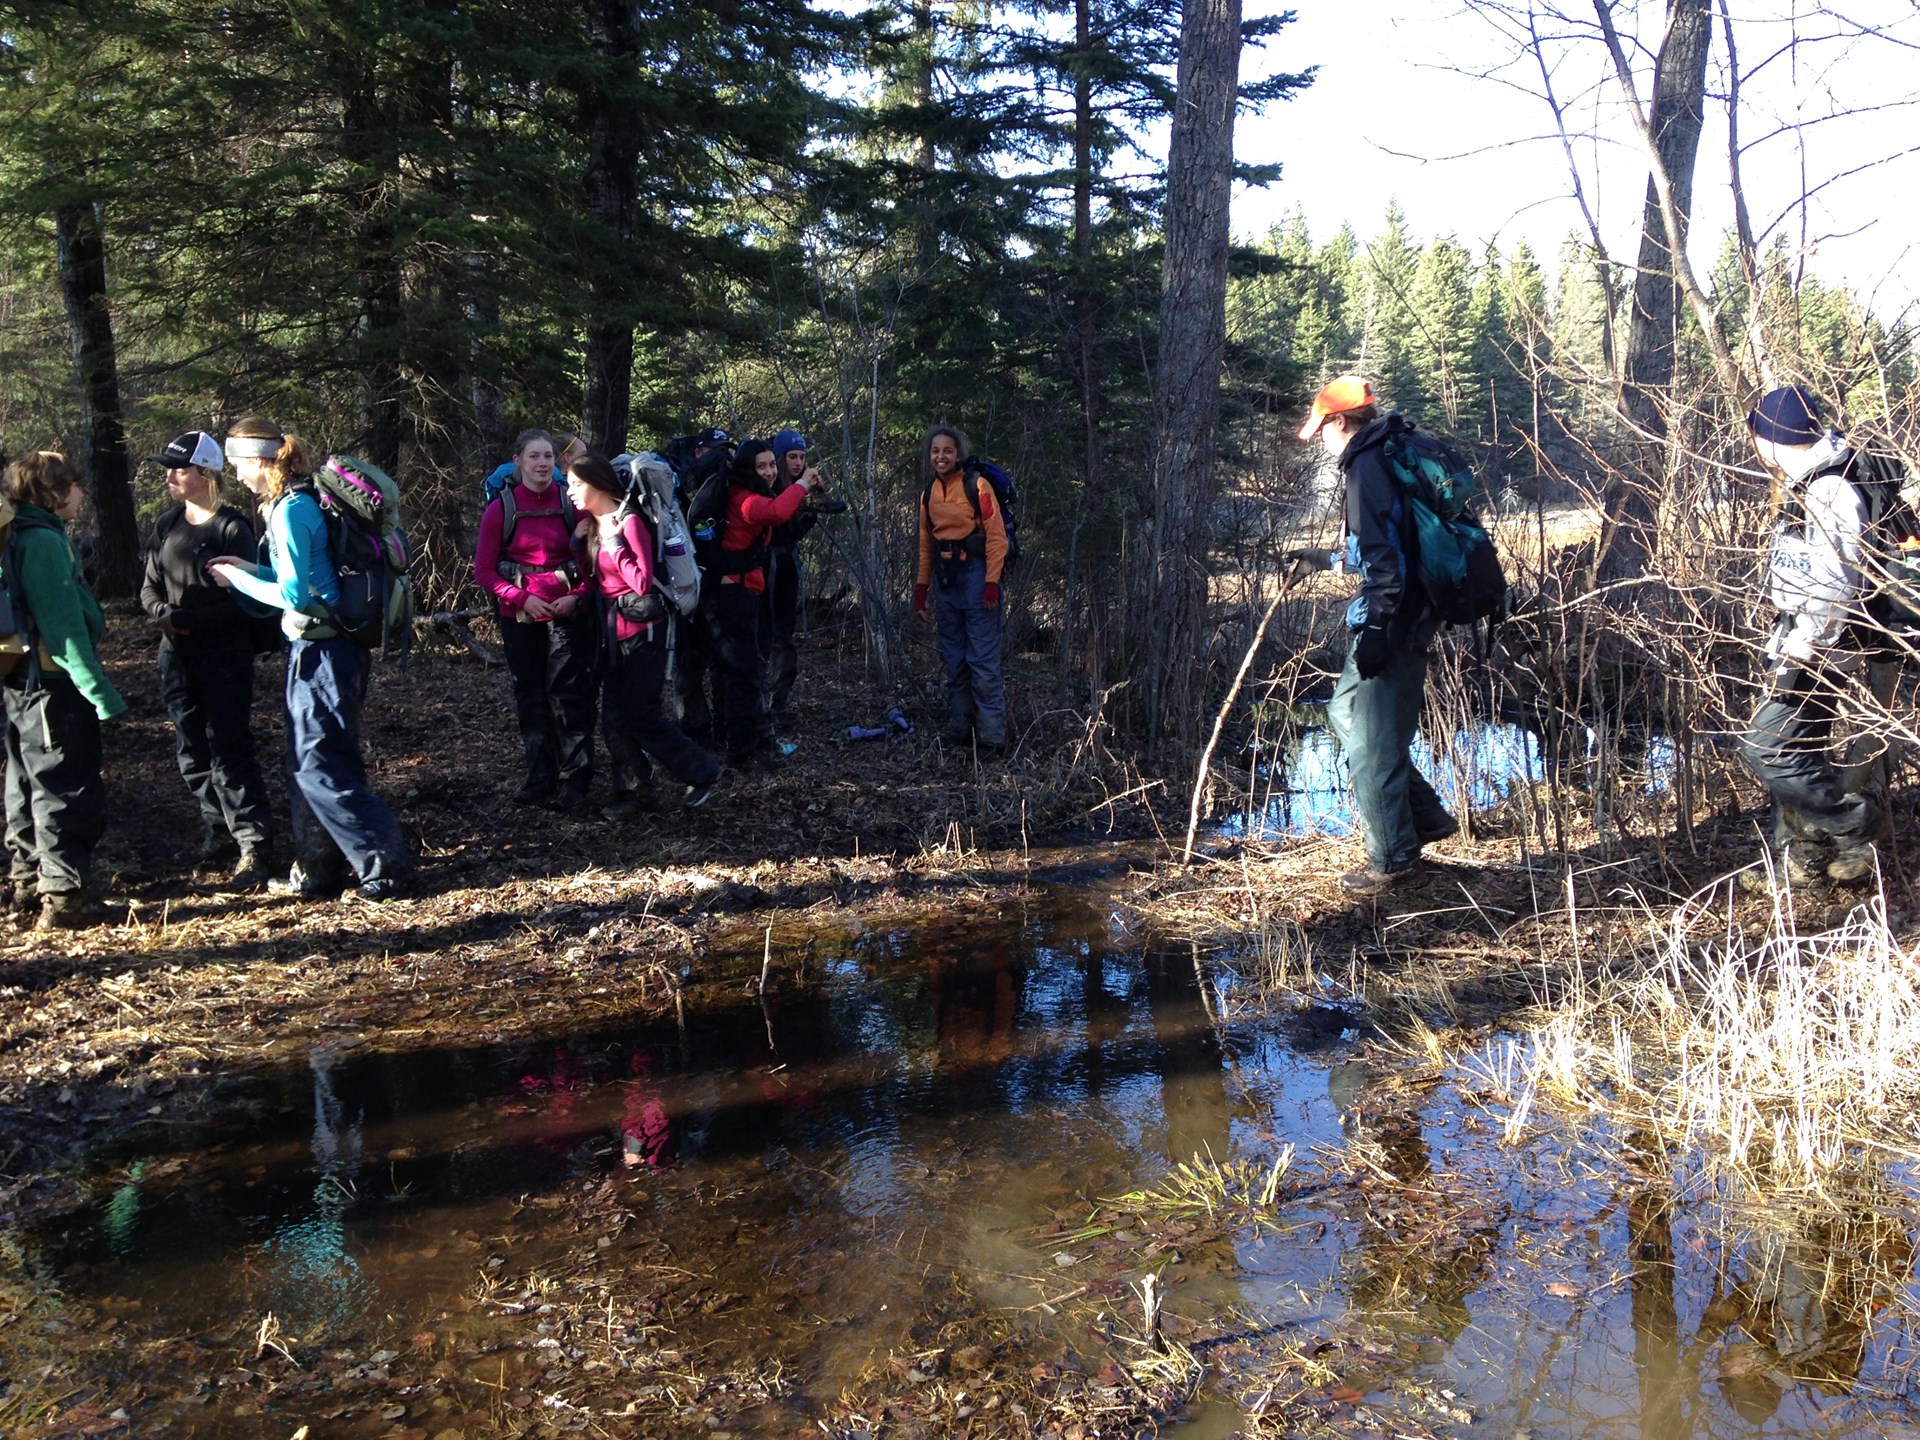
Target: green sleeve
{"points": [[60, 611]]}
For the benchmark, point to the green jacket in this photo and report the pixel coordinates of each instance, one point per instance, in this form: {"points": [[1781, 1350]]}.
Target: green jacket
{"points": [[65, 614]]}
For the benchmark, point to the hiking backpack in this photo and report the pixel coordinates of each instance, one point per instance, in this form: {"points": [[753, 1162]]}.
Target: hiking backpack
{"points": [[1892, 539], [707, 521], [368, 545], [1006, 496], [1452, 557], [650, 481]]}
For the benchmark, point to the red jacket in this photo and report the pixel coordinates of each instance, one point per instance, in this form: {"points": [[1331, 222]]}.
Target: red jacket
{"points": [[751, 517]]}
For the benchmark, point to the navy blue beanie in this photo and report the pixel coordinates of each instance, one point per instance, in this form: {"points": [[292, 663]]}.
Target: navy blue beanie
{"points": [[1787, 416], [788, 440]]}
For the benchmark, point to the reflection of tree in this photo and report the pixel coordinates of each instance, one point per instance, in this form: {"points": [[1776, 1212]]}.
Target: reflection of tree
{"points": [[1656, 1320], [1193, 1083], [1417, 1256]]}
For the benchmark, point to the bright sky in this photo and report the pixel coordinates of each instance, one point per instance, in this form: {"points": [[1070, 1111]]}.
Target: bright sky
{"points": [[1434, 103]]}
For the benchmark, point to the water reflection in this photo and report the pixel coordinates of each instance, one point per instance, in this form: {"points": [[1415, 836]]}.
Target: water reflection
{"points": [[924, 1109], [1303, 783], [314, 1284]]}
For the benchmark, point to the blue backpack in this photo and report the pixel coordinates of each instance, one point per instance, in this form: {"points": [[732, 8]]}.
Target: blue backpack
{"points": [[1453, 556]]}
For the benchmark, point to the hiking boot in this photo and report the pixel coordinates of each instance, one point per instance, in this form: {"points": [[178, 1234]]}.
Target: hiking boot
{"points": [[1447, 828], [216, 849], [533, 792], [250, 874], [698, 795], [381, 890], [69, 910], [302, 886], [629, 807], [22, 900], [1853, 864], [1370, 882], [570, 799]]}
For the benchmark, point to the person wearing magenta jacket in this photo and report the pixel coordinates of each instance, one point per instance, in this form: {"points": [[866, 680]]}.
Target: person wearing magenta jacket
{"points": [[528, 559], [633, 620], [739, 581]]}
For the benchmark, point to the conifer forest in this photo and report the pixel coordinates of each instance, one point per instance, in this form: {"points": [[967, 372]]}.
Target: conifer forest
{"points": [[1077, 1086]]}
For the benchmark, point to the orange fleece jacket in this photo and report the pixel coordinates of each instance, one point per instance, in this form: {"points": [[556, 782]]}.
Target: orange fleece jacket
{"points": [[946, 517]]}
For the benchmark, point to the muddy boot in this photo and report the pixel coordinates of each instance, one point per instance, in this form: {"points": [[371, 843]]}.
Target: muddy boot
{"points": [[251, 873], [70, 910], [1801, 864], [21, 899], [1369, 883], [1854, 863], [216, 849]]}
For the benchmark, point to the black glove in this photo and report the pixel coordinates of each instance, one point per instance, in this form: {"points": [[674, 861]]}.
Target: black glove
{"points": [[1372, 650], [1305, 562]]}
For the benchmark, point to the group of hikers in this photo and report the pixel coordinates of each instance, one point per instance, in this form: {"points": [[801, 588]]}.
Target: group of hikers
{"points": [[576, 567], [578, 571]]}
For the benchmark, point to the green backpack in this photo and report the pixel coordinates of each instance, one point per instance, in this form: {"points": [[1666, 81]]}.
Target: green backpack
{"points": [[371, 558], [1453, 556]]}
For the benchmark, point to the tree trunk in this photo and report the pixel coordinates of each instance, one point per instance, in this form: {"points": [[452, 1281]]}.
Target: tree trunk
{"points": [[1653, 316], [369, 144], [613, 198], [81, 239], [1085, 328], [1170, 578]]}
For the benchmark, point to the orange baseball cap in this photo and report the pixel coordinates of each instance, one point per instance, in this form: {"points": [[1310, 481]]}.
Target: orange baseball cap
{"points": [[1337, 396]]}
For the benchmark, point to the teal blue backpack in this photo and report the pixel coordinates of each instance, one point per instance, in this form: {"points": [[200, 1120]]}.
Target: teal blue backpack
{"points": [[1454, 557]]}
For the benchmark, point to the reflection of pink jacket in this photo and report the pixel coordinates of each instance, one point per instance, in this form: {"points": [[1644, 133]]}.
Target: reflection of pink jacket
{"points": [[541, 543], [623, 568], [646, 1130]]}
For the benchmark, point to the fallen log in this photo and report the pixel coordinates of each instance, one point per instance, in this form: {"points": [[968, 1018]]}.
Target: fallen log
{"points": [[459, 624]]}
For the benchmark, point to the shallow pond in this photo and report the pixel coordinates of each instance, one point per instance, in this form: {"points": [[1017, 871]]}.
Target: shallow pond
{"points": [[883, 1147], [1301, 788]]}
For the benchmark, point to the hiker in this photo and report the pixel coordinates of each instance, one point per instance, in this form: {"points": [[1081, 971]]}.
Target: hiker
{"points": [[528, 559], [696, 459], [780, 614], [346, 840], [567, 449], [206, 659], [1824, 642], [738, 581], [56, 695], [1376, 702], [963, 553], [633, 622]]}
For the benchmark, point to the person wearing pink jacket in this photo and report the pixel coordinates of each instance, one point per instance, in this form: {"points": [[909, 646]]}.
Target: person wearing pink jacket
{"points": [[633, 620], [529, 560]]}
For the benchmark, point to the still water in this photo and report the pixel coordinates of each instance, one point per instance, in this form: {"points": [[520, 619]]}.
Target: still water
{"points": [[1302, 788], [884, 1143]]}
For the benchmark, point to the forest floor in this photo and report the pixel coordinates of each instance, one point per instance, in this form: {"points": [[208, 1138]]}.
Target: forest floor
{"points": [[532, 925]]}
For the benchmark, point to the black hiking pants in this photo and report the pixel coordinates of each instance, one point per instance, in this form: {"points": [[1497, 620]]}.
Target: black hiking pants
{"points": [[552, 665], [209, 697], [639, 730], [56, 800]]}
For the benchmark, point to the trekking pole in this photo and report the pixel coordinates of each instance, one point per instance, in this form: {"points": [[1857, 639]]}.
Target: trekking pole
{"points": [[1226, 707]]}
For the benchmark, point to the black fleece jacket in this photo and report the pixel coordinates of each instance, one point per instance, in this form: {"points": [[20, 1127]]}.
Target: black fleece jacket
{"points": [[1376, 517]]}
